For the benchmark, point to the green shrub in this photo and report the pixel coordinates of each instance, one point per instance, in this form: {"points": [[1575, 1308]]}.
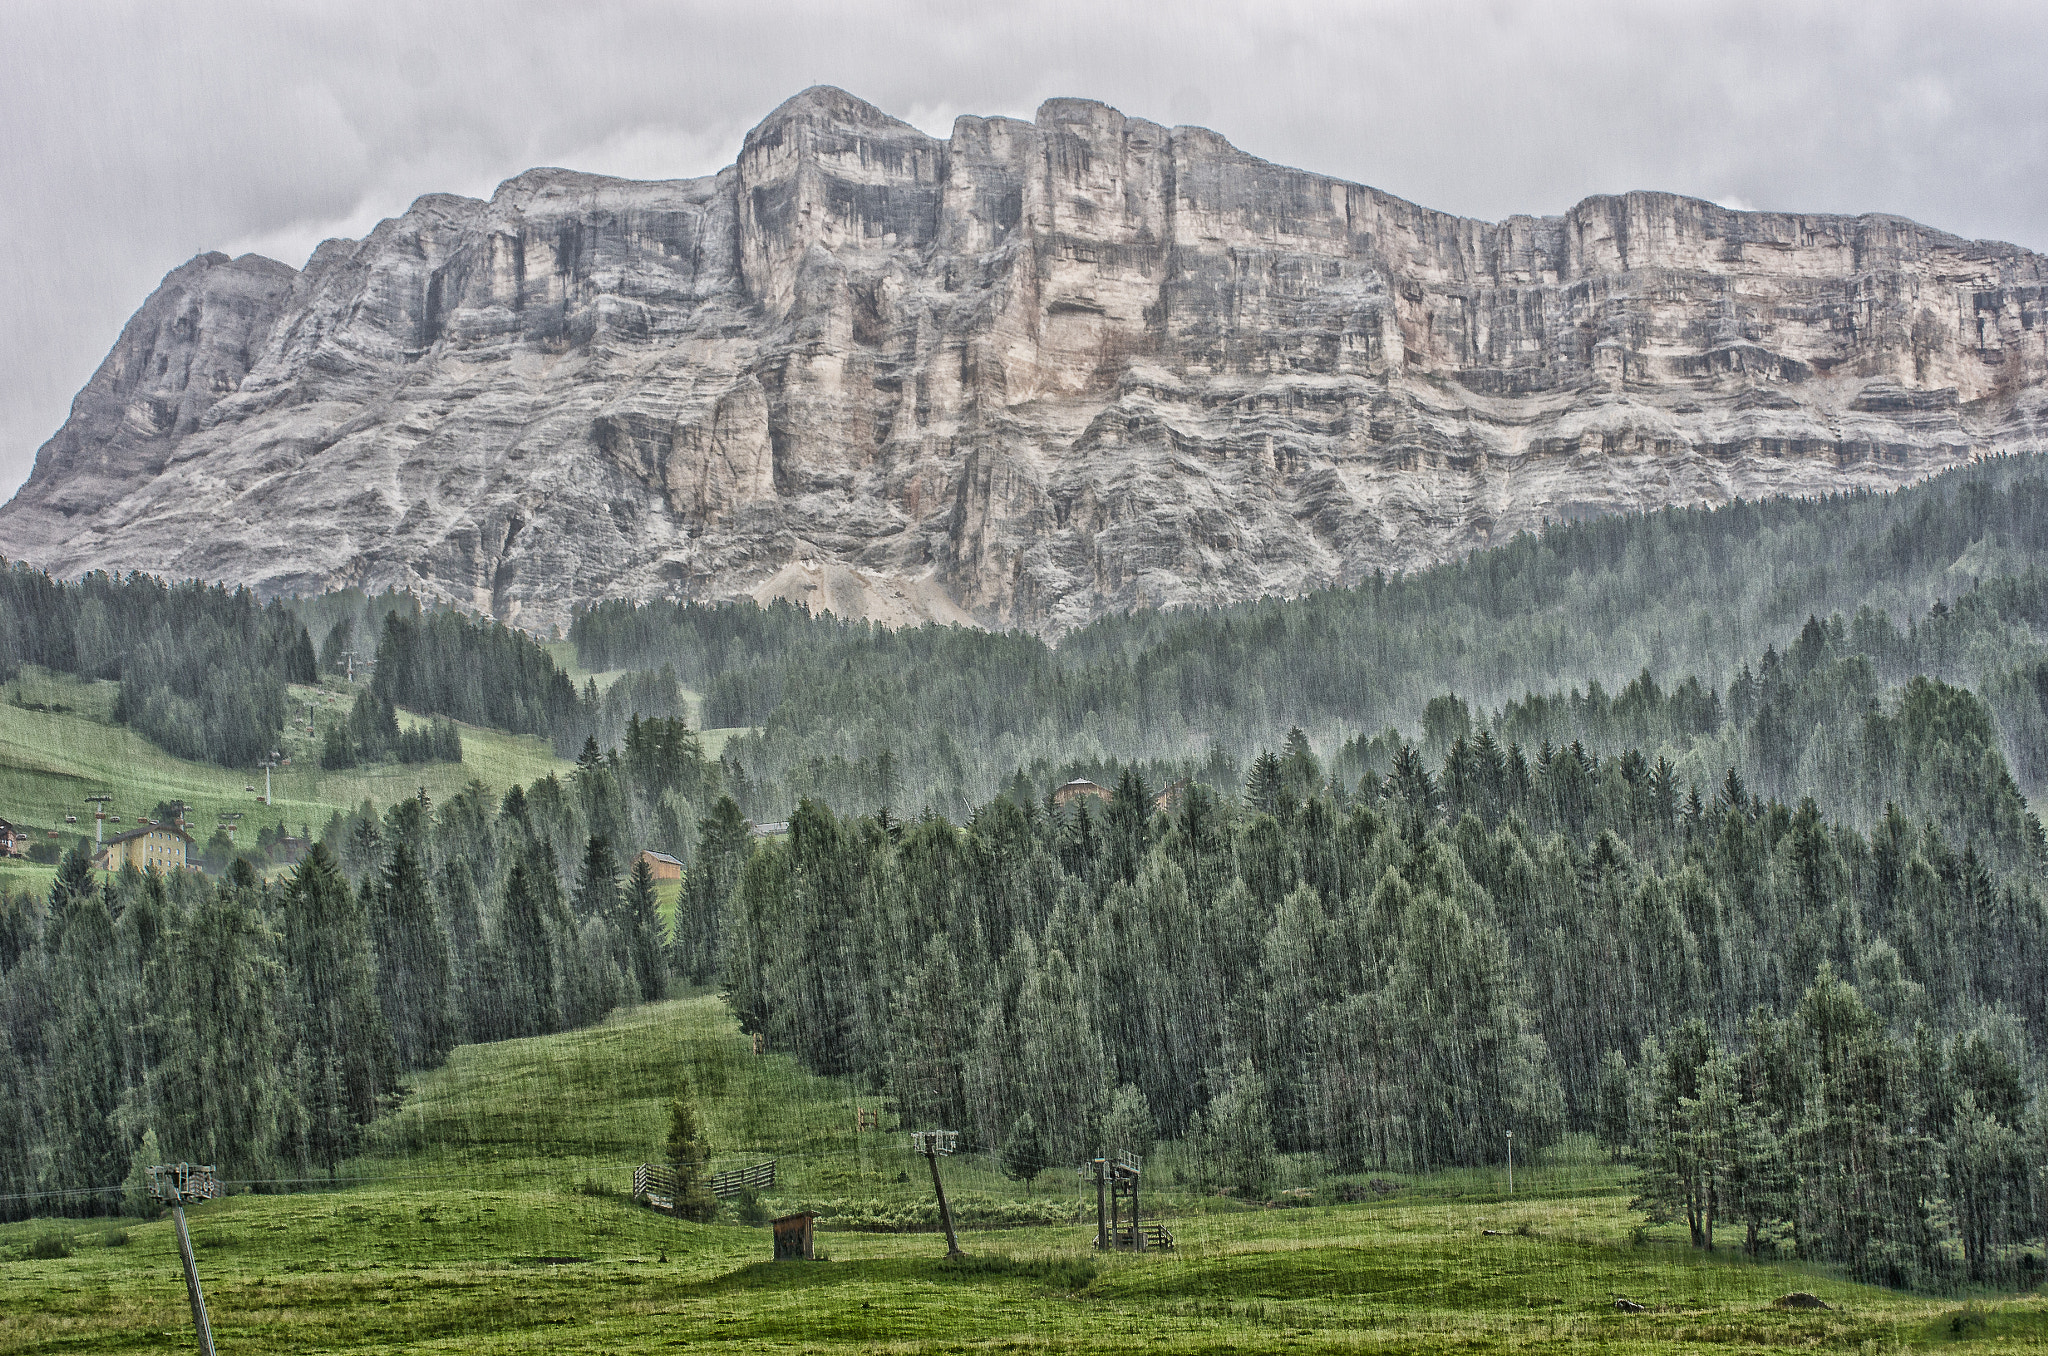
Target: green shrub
{"points": [[1054, 1273], [882, 1216], [747, 1208], [1968, 1320], [114, 1238], [49, 1247]]}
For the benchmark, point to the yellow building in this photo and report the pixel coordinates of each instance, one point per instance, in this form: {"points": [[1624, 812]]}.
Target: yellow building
{"points": [[158, 847]]}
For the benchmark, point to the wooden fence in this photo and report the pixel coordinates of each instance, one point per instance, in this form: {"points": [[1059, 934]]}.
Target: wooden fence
{"points": [[652, 1180]]}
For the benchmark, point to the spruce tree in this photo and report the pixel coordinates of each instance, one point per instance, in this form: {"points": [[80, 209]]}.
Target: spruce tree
{"points": [[724, 843], [685, 1150], [1024, 1153], [337, 1045], [641, 928], [529, 1002], [86, 1079], [414, 978], [597, 881], [219, 1094], [1130, 1126]]}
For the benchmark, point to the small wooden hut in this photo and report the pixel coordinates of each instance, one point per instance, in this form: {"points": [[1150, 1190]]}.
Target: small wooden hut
{"points": [[793, 1237]]}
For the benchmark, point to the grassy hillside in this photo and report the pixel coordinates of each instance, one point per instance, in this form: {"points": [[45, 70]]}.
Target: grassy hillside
{"points": [[58, 745], [497, 1220], [564, 655]]}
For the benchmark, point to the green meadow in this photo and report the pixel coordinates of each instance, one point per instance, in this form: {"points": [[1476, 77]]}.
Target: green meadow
{"points": [[59, 744], [564, 654], [496, 1220]]}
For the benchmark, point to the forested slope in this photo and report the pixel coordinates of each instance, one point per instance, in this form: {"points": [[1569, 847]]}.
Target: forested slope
{"points": [[1947, 579], [1723, 860]]}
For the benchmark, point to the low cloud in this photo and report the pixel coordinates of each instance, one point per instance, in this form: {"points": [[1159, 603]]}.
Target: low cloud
{"points": [[141, 135]]}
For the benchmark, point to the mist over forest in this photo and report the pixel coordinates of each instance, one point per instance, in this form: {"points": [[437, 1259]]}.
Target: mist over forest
{"points": [[1707, 834]]}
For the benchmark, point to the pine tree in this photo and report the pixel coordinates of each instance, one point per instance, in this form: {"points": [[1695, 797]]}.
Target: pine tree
{"points": [[1024, 1154], [530, 1003], [85, 1070], [1263, 787], [724, 843], [597, 882], [414, 978], [686, 1152], [219, 1094], [337, 1045], [1240, 1135], [641, 926]]}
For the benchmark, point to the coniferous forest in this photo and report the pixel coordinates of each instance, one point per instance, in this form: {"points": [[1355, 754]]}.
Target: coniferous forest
{"points": [[1704, 833]]}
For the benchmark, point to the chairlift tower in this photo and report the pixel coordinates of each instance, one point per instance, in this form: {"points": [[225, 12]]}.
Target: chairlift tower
{"points": [[1117, 1179], [99, 817], [267, 764], [175, 1184], [933, 1143]]}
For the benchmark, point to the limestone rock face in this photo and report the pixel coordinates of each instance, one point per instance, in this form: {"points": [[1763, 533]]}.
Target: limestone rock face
{"points": [[1015, 378]]}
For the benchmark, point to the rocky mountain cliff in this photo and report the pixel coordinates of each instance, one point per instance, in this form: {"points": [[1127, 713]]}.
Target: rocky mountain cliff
{"points": [[1017, 377]]}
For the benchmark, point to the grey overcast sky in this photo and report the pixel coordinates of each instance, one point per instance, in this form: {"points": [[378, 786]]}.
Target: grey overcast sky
{"points": [[138, 135]]}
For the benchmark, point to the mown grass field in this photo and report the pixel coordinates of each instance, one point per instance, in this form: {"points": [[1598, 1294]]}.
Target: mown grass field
{"points": [[499, 1227], [53, 758]]}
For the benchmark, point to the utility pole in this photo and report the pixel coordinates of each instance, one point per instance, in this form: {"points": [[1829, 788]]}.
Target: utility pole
{"points": [[1511, 1162], [99, 817], [932, 1143], [178, 1183], [1101, 1211]]}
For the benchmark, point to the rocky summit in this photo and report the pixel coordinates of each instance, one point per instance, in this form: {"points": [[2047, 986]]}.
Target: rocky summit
{"points": [[1015, 378]]}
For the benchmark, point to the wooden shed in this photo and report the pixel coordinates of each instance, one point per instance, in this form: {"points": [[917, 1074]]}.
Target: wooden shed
{"points": [[793, 1237], [661, 865]]}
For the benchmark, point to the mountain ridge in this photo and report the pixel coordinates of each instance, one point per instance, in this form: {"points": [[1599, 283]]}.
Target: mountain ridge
{"points": [[1016, 377]]}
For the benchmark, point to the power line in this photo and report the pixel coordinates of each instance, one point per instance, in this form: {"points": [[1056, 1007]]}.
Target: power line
{"points": [[62, 1191], [274, 1181]]}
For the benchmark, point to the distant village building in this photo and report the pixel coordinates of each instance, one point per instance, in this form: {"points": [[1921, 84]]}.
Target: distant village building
{"points": [[13, 841], [661, 865], [290, 850], [1081, 786], [160, 847], [1170, 797], [773, 830]]}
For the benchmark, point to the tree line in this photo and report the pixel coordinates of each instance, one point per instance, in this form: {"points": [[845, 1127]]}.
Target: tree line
{"points": [[262, 1025], [202, 668], [1804, 1030], [1942, 580]]}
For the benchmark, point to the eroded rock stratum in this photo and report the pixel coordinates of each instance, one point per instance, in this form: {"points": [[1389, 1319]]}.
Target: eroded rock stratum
{"points": [[1019, 377]]}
